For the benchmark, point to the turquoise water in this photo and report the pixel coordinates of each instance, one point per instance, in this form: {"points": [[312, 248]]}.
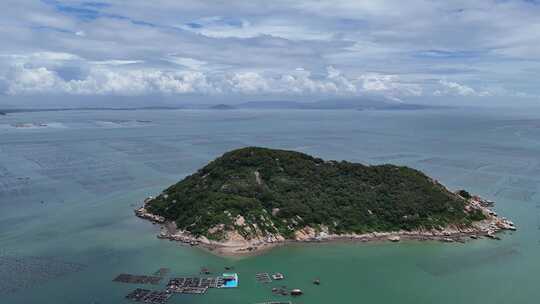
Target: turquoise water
{"points": [[68, 190]]}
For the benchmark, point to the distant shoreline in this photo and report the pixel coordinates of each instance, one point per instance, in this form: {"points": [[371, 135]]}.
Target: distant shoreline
{"points": [[31, 110], [245, 106]]}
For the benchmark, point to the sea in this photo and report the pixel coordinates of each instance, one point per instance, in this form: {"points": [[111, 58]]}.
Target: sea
{"points": [[70, 180]]}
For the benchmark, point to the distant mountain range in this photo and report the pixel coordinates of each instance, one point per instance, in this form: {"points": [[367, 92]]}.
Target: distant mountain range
{"points": [[333, 104], [336, 104], [22, 110]]}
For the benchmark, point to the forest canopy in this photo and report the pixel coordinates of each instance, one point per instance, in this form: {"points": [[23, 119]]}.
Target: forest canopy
{"points": [[278, 191]]}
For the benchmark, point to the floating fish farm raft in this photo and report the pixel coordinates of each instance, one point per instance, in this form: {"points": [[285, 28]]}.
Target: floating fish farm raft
{"points": [[137, 279], [196, 285], [263, 277], [283, 290], [149, 296], [183, 285]]}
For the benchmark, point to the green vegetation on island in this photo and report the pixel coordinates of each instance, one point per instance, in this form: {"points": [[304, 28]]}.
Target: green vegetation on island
{"points": [[280, 192]]}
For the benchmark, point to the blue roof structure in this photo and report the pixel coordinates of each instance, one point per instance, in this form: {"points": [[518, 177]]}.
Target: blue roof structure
{"points": [[231, 280]]}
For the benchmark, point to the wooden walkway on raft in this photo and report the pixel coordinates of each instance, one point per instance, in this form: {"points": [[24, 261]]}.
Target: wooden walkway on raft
{"points": [[149, 296], [137, 279]]}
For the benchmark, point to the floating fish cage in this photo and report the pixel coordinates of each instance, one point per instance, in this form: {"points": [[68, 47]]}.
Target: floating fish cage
{"points": [[263, 277], [137, 279]]}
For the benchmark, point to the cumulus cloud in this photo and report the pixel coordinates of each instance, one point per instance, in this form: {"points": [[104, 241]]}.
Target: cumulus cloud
{"points": [[391, 48], [36, 80], [456, 89], [390, 85], [104, 79]]}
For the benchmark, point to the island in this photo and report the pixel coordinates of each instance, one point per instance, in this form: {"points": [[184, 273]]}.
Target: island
{"points": [[222, 106], [252, 199]]}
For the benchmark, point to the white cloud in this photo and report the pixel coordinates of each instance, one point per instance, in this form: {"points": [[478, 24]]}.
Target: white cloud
{"points": [[299, 82], [454, 88], [248, 83], [219, 27], [42, 56], [44, 18], [37, 80], [116, 62], [343, 84], [104, 79], [369, 49], [247, 47], [389, 84], [190, 63]]}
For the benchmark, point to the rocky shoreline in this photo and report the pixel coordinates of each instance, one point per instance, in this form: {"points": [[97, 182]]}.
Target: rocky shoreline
{"points": [[236, 245]]}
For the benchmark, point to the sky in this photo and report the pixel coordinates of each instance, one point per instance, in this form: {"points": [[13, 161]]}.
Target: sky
{"points": [[73, 52]]}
